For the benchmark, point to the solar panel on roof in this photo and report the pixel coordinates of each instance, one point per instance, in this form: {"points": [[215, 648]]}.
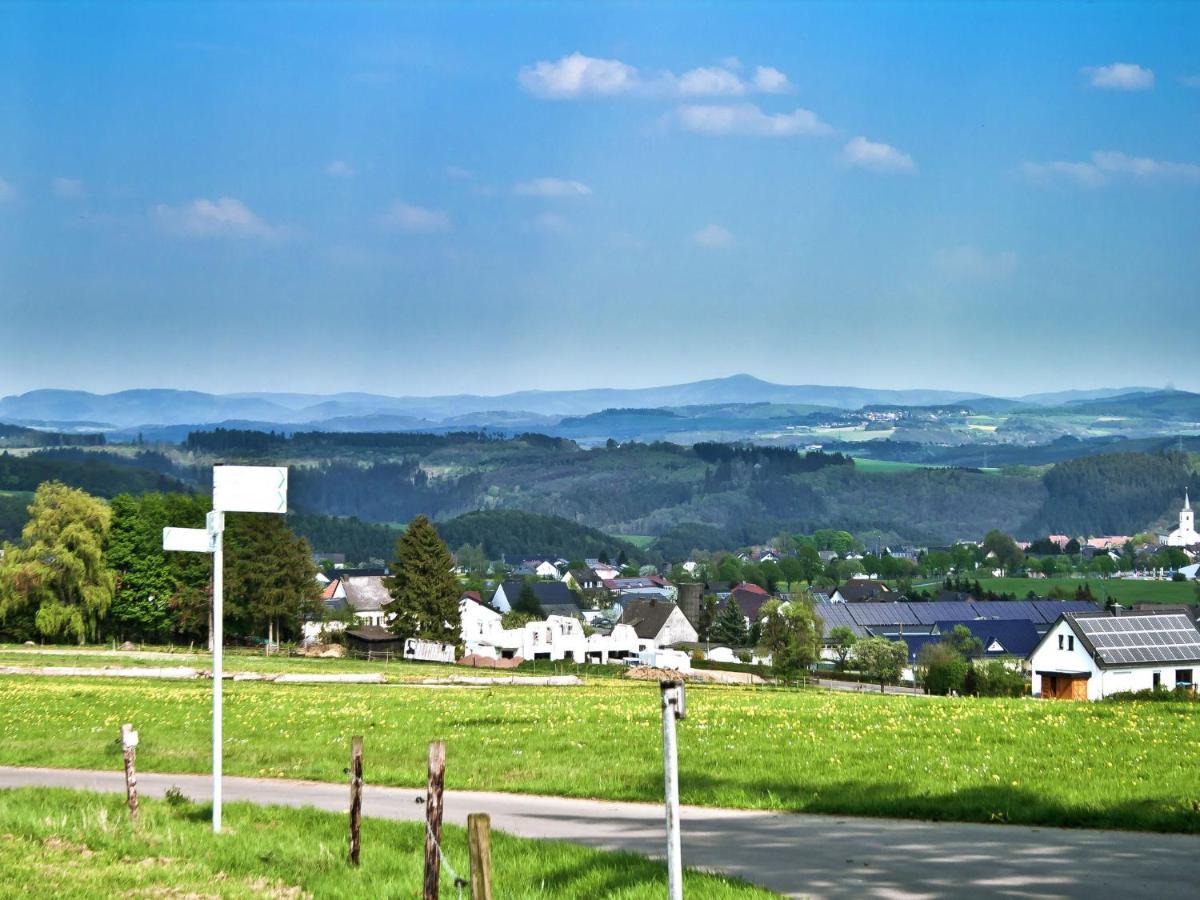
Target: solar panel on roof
{"points": [[1151, 638]]}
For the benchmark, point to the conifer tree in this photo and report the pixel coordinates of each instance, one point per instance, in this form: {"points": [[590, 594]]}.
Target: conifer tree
{"points": [[424, 590], [730, 625], [527, 602]]}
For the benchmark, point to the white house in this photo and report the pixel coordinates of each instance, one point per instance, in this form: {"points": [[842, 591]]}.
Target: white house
{"points": [[659, 623], [1088, 656], [480, 627]]}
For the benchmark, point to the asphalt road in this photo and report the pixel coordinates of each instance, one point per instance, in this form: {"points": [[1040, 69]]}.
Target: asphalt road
{"points": [[796, 855]]}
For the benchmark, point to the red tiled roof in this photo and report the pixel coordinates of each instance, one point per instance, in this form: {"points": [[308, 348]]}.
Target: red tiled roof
{"points": [[330, 589], [751, 588]]}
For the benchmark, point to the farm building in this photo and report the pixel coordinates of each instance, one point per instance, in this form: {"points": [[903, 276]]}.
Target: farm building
{"points": [[370, 640], [1089, 656], [554, 597]]}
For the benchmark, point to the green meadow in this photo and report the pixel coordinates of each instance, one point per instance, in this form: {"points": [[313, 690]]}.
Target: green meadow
{"points": [[1125, 591], [1111, 765], [75, 844]]}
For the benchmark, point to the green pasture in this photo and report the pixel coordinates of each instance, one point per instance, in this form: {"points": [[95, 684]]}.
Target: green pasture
{"points": [[75, 844], [1123, 590], [1107, 765]]}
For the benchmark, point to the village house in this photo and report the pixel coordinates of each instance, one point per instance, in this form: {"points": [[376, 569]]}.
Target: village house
{"points": [[643, 586], [1094, 655], [860, 590], [554, 597], [749, 599], [659, 623], [583, 580]]}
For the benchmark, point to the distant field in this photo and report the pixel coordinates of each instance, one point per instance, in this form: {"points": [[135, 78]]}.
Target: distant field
{"points": [[24, 495], [77, 844], [1098, 765], [866, 464], [1122, 590], [641, 541]]}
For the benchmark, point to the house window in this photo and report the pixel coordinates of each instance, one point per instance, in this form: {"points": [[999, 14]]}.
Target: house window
{"points": [[1070, 642], [1157, 680], [1183, 678], [1060, 641]]}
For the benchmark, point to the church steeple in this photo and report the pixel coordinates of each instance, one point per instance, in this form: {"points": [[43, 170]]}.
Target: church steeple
{"points": [[1186, 504]]}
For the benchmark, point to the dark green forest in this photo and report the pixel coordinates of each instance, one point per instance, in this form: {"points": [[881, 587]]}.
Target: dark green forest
{"points": [[709, 496]]}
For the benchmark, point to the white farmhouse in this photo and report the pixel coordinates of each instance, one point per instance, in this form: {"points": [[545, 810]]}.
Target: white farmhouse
{"points": [[659, 623], [1088, 656]]}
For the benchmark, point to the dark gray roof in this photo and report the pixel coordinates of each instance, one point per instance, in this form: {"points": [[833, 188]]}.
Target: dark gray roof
{"points": [[648, 616], [1115, 641], [366, 594], [548, 593]]}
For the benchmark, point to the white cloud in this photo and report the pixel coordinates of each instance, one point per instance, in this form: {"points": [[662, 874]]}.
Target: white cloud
{"points": [[748, 119], [7, 191], [768, 80], [711, 82], [864, 154], [1119, 77], [551, 187], [971, 263], [577, 76], [459, 173], [339, 168], [416, 219], [714, 237], [66, 188], [1105, 166], [225, 217]]}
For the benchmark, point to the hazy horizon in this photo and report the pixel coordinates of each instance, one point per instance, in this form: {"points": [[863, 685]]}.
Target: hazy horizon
{"points": [[440, 199]]}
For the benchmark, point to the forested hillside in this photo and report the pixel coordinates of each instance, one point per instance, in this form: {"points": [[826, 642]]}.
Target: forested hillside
{"points": [[1120, 493], [707, 496]]}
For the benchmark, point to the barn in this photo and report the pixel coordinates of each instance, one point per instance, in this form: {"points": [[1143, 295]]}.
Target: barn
{"points": [[1089, 656]]}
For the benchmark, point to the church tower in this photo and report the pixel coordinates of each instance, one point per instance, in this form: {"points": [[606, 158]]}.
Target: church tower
{"points": [[1187, 518]]}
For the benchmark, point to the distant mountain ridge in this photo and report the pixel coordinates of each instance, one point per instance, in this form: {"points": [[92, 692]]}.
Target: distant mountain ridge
{"points": [[162, 407]]}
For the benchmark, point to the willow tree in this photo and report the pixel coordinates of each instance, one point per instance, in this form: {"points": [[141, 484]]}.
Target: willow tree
{"points": [[57, 571]]}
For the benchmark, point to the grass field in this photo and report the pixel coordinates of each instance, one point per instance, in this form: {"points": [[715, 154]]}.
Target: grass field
{"points": [[641, 541], [1108, 765], [1122, 590], [74, 844]]}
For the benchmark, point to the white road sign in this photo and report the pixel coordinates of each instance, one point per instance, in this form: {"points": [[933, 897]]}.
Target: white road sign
{"points": [[250, 489], [192, 540]]}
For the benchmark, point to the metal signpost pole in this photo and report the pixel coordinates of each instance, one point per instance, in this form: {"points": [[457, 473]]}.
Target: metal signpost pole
{"points": [[217, 535], [672, 709]]}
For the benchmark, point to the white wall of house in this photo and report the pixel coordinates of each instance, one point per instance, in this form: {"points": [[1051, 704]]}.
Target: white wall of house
{"points": [[500, 601], [546, 570], [677, 629]]}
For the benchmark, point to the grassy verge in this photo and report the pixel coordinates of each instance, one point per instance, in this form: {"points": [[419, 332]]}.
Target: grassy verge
{"points": [[1036, 762], [1122, 590], [74, 844]]}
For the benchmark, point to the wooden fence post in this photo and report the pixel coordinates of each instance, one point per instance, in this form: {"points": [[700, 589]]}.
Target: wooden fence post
{"points": [[433, 817], [479, 842], [356, 783], [129, 742]]}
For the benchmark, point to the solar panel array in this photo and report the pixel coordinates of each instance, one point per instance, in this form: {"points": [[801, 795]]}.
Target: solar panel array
{"points": [[1127, 640], [874, 616]]}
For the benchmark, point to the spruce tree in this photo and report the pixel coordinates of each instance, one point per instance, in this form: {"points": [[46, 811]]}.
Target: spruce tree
{"points": [[424, 590], [527, 602], [730, 625]]}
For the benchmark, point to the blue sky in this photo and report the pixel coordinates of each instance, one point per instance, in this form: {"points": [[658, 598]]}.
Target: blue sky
{"points": [[435, 198]]}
